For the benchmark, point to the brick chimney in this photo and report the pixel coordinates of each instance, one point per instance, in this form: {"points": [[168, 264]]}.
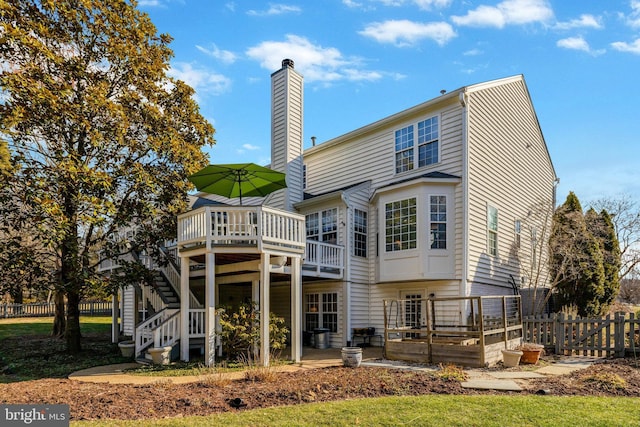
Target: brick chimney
{"points": [[286, 133]]}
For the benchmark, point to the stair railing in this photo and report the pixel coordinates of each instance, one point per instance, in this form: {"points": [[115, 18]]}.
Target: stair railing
{"points": [[170, 270], [168, 332], [145, 331]]}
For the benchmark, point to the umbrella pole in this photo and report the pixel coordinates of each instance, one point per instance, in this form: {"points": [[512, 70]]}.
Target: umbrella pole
{"points": [[240, 185]]}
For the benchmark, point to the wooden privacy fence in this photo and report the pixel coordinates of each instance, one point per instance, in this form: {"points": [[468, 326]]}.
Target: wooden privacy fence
{"points": [[609, 335], [43, 309]]}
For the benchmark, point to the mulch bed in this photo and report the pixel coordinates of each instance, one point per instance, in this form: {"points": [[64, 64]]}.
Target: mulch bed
{"points": [[615, 377]]}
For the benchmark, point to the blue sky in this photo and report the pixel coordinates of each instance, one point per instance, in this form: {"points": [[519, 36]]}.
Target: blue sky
{"points": [[363, 60]]}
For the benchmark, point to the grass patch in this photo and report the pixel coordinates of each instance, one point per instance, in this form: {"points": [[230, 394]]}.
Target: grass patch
{"points": [[28, 351], [481, 411]]}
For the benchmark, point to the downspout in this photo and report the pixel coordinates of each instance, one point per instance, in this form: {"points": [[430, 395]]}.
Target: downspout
{"points": [[347, 270], [464, 101]]}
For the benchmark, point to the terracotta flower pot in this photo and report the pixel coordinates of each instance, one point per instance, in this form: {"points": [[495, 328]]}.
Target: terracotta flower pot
{"points": [[530, 356]]}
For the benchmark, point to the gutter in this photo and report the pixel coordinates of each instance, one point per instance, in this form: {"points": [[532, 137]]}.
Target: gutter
{"points": [[464, 101], [347, 270]]}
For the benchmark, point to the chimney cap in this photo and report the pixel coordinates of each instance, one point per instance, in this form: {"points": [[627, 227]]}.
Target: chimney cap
{"points": [[287, 63]]}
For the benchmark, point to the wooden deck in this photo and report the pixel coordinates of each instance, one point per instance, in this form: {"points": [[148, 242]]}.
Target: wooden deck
{"points": [[493, 324]]}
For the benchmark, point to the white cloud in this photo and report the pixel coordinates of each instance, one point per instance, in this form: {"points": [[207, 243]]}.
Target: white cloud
{"points": [[507, 12], [633, 47], [231, 6], [250, 147], [422, 4], [275, 9], [200, 79], [633, 20], [149, 3], [585, 21], [428, 4], [407, 33], [577, 43], [315, 62], [473, 52], [225, 56], [351, 4]]}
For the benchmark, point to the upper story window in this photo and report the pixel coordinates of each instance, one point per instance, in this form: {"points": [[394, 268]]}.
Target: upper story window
{"points": [[517, 231], [404, 149], [428, 142], [492, 230], [323, 226], [438, 221], [359, 233], [427, 148], [400, 225]]}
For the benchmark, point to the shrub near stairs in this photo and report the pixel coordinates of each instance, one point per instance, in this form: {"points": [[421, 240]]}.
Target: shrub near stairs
{"points": [[240, 332]]}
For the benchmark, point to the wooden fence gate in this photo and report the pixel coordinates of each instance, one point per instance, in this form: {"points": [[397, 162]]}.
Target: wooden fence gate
{"points": [[598, 336]]}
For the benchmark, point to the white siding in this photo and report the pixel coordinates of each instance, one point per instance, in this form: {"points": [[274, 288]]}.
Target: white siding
{"points": [[129, 311], [286, 135], [509, 168], [371, 155]]}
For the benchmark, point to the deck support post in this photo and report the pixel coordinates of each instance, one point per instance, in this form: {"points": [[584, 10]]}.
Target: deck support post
{"points": [[184, 309], [264, 308], [210, 309], [296, 309], [115, 329]]}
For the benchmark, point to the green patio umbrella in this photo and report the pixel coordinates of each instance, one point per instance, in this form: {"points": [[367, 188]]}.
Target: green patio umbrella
{"points": [[238, 180]]}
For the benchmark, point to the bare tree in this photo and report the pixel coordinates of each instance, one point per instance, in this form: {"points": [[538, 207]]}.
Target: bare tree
{"points": [[625, 215]]}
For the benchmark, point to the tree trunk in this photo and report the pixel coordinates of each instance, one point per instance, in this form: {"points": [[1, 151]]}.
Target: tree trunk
{"points": [[72, 332], [59, 319]]}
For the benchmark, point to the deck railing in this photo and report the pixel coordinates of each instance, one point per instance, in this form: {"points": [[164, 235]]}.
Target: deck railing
{"points": [[241, 225], [324, 258], [489, 318]]}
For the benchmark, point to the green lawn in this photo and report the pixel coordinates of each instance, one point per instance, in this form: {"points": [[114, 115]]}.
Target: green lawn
{"points": [[436, 410], [28, 352]]}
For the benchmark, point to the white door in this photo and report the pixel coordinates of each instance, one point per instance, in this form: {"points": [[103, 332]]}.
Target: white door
{"points": [[414, 310]]}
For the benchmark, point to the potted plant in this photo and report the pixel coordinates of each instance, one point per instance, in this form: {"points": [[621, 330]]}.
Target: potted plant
{"points": [[511, 358], [127, 348], [530, 352]]}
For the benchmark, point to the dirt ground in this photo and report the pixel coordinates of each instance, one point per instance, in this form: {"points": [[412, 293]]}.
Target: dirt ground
{"points": [[615, 377]]}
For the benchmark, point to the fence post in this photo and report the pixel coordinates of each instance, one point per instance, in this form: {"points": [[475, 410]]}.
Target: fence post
{"points": [[619, 321], [558, 324]]}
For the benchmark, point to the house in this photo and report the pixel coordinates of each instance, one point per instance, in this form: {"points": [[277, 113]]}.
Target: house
{"points": [[431, 202]]}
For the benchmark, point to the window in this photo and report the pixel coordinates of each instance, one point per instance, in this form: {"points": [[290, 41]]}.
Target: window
{"points": [[321, 315], [313, 229], [428, 142], [323, 226], [427, 148], [359, 233], [330, 311], [400, 225], [312, 312], [492, 230], [438, 221], [517, 228], [330, 226], [404, 149]]}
